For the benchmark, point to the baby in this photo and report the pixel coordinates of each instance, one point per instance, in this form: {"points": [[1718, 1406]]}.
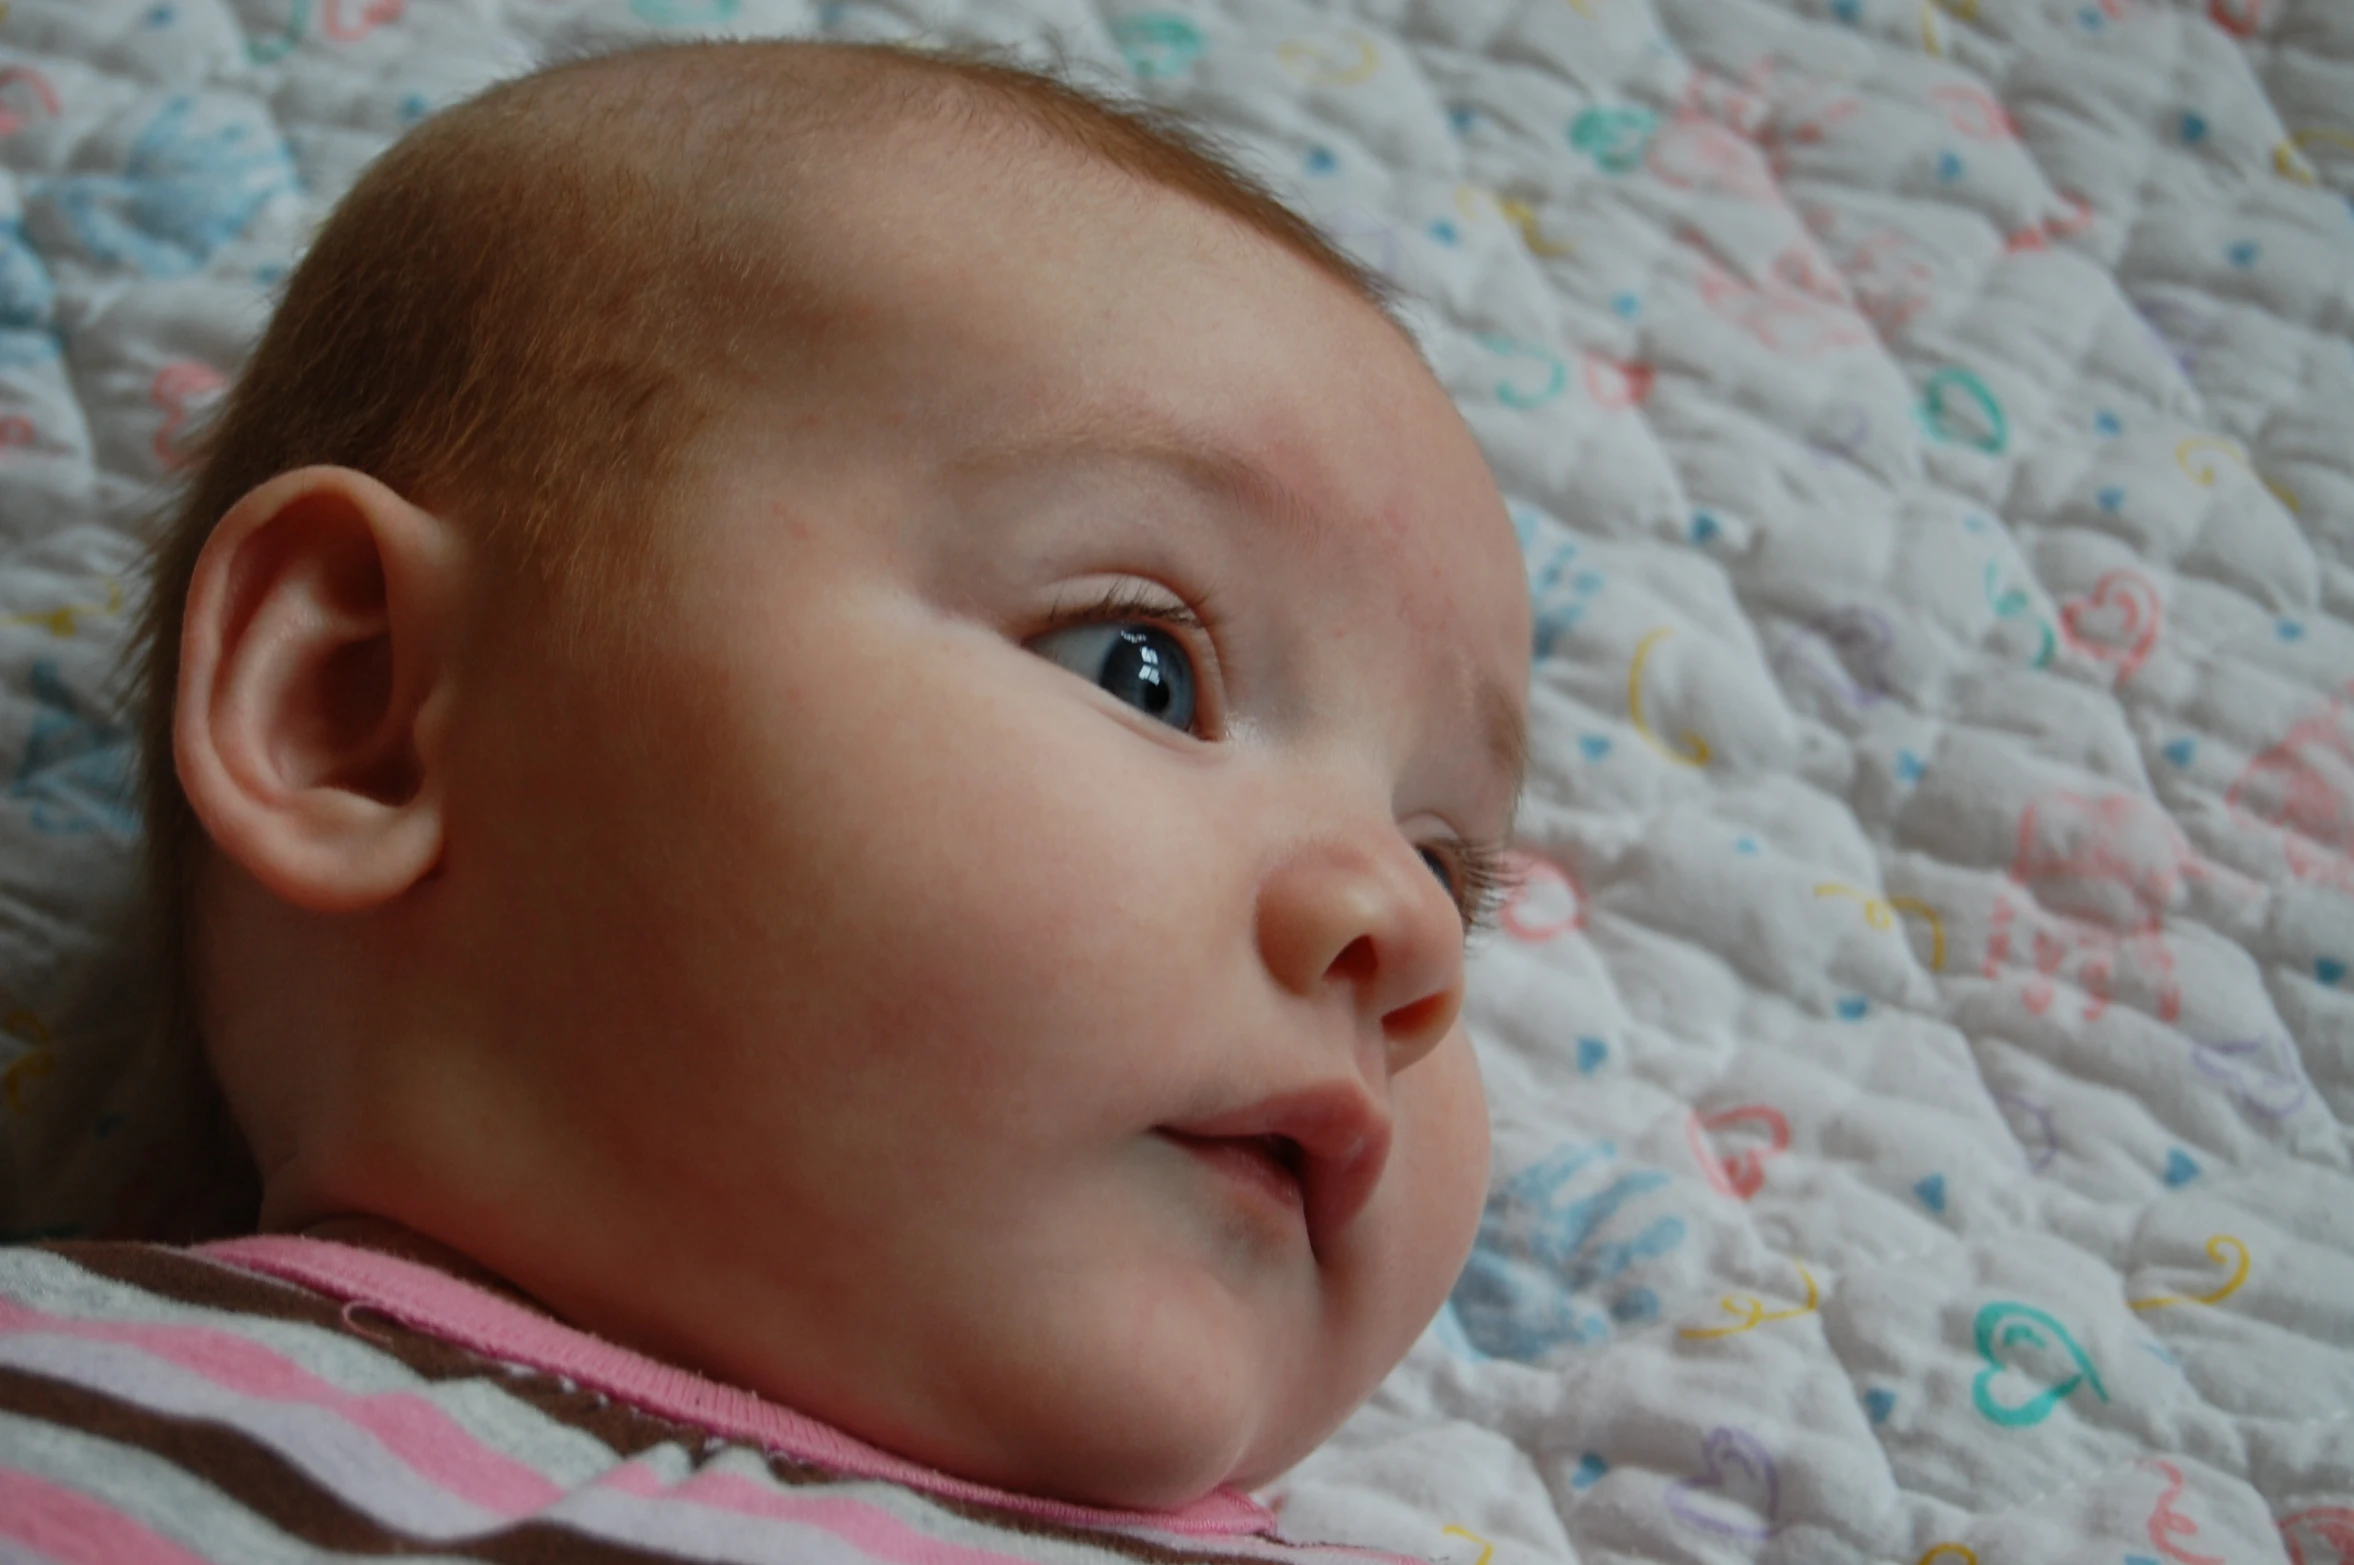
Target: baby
{"points": [[825, 725]]}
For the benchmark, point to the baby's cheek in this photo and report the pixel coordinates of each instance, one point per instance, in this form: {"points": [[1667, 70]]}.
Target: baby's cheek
{"points": [[1429, 1207], [1422, 1223], [1452, 1172]]}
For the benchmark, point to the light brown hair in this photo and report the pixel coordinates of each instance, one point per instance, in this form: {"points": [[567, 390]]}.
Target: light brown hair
{"points": [[521, 316]]}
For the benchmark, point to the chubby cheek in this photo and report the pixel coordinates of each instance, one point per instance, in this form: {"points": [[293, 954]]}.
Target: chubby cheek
{"points": [[955, 885], [1438, 1181], [1410, 1245]]}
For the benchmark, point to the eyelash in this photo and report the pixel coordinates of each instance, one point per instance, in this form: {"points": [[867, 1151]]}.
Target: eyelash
{"points": [[1125, 601], [1483, 880]]}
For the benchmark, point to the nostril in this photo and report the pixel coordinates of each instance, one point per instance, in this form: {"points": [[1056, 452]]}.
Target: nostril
{"points": [[1418, 1024], [1356, 961]]}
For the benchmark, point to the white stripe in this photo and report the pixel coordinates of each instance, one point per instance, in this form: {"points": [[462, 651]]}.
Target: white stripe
{"points": [[567, 1457], [698, 1532], [340, 1456], [18, 1554], [176, 1504], [353, 1465], [681, 1524]]}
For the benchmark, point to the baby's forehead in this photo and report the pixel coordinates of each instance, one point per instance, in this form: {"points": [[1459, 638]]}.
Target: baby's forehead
{"points": [[705, 218], [802, 132]]}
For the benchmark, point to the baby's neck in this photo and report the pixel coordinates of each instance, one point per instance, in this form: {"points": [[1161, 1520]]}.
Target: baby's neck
{"points": [[390, 1238]]}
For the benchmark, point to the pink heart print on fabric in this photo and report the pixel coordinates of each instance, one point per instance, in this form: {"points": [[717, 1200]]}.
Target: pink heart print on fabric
{"points": [[1617, 383], [1698, 154], [1736, 1494], [1974, 112], [1740, 1172], [1801, 307], [183, 390], [2075, 218], [2240, 18], [1890, 274], [348, 21], [2100, 874], [2323, 1535], [1544, 903], [2117, 622], [25, 95], [2166, 1523], [2304, 788]]}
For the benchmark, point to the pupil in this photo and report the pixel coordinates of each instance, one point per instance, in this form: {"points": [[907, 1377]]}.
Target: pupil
{"points": [[1144, 671], [1136, 672]]}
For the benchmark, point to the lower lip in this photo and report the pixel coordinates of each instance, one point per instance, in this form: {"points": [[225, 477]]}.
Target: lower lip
{"points": [[1248, 1167]]}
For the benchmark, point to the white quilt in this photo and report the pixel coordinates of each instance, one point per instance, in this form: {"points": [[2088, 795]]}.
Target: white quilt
{"points": [[1923, 1050]]}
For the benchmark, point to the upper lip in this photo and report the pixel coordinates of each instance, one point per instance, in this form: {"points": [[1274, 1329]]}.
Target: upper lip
{"points": [[1342, 1136]]}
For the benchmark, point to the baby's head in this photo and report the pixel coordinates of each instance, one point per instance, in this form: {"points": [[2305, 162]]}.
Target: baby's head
{"points": [[839, 713]]}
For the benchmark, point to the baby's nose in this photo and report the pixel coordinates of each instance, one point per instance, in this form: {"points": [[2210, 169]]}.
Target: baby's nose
{"points": [[1368, 921]]}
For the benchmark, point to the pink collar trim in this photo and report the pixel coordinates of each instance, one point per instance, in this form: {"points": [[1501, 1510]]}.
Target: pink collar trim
{"points": [[442, 1306]]}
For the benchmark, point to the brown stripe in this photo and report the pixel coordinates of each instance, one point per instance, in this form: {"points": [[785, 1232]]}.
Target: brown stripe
{"points": [[178, 1276], [193, 1280], [621, 1428], [257, 1479], [204, 1284]]}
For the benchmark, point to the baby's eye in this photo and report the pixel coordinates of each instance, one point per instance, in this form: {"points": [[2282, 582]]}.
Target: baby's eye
{"points": [[1142, 664], [1477, 876], [1438, 866]]}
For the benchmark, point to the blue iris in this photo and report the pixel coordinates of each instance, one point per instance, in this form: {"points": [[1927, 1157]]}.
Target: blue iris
{"points": [[1146, 668], [1141, 664]]}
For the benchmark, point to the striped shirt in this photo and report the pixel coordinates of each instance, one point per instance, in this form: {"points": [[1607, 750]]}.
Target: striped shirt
{"points": [[280, 1399]]}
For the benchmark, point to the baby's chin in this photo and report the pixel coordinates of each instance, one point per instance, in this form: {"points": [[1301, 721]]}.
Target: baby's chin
{"points": [[1151, 1458], [1150, 1384], [1143, 1430]]}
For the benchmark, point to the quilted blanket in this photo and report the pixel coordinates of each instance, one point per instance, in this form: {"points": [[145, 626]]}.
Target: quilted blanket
{"points": [[1922, 1044]]}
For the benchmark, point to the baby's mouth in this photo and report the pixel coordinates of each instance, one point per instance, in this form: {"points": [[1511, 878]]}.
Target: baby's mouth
{"points": [[1316, 1151], [1268, 1165]]}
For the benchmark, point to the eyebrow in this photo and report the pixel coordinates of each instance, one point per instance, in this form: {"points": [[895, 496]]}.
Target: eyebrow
{"points": [[1090, 432]]}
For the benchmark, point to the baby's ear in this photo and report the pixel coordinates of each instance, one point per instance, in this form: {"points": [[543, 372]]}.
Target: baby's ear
{"points": [[315, 666]]}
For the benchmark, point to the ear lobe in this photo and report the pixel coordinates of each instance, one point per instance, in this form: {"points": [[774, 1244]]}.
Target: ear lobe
{"points": [[314, 658]]}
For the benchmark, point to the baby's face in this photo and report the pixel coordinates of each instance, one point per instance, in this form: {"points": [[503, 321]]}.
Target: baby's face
{"points": [[947, 988]]}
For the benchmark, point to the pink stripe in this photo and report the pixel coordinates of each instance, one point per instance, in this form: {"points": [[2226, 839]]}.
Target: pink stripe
{"points": [[444, 1307], [74, 1529], [416, 1432], [860, 1522]]}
